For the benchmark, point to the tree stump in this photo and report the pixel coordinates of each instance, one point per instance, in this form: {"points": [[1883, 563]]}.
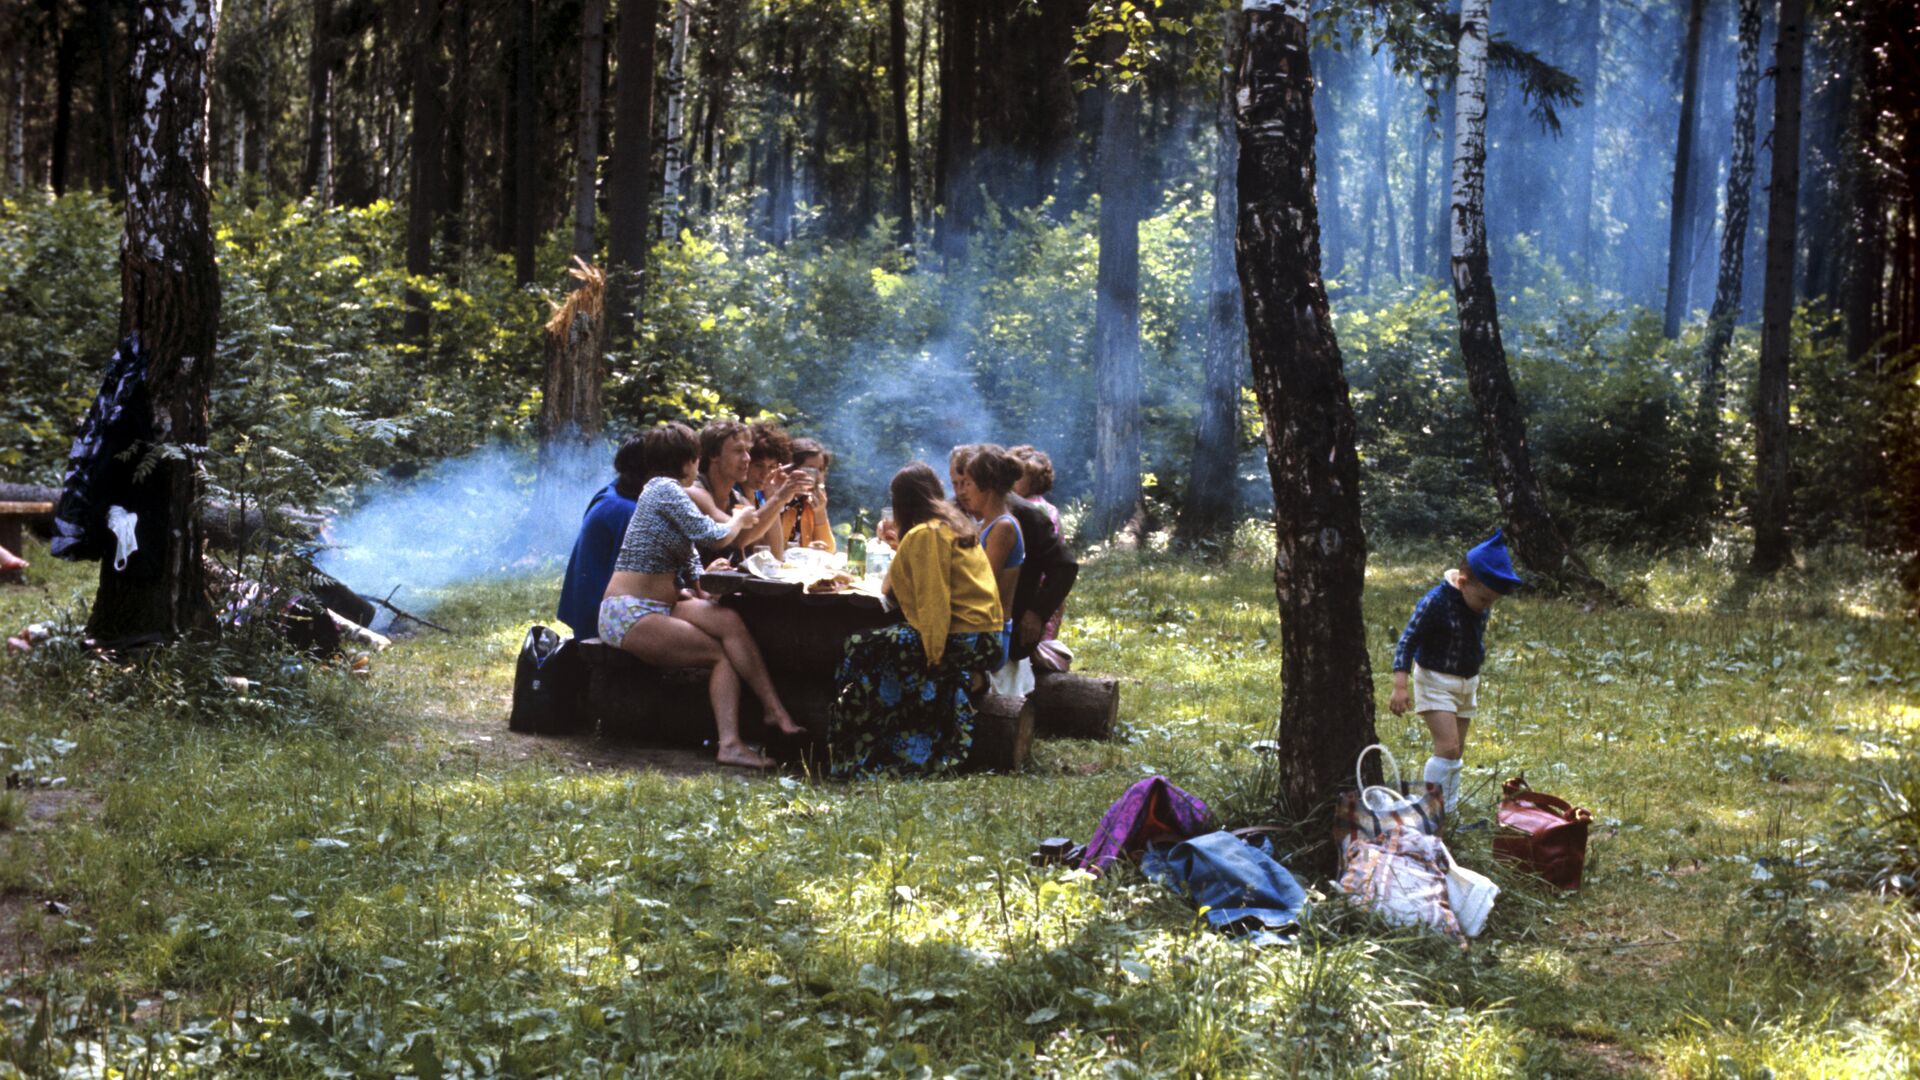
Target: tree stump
{"points": [[1070, 706], [1002, 734]]}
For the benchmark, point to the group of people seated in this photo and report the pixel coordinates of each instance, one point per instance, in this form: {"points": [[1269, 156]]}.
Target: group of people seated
{"points": [[980, 580]]}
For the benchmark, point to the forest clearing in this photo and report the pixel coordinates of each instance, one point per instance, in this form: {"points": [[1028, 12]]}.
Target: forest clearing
{"points": [[924, 538]]}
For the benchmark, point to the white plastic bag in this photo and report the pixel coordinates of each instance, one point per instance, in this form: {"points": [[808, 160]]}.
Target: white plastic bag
{"points": [[1014, 679], [1470, 895]]}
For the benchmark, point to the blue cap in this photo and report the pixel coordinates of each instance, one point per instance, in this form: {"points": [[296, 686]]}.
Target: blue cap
{"points": [[1490, 565]]}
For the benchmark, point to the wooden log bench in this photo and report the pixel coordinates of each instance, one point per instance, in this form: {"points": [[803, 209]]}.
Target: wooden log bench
{"points": [[634, 701], [15, 516], [1070, 706]]}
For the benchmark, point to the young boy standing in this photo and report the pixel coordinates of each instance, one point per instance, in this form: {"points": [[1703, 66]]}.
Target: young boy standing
{"points": [[1441, 651]]}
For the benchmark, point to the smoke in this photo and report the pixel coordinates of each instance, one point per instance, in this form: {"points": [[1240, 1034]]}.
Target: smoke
{"points": [[465, 519]]}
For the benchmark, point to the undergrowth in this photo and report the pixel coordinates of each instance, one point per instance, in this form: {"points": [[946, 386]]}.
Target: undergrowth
{"points": [[317, 873]]}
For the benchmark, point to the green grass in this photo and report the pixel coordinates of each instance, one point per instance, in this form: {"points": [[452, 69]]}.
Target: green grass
{"points": [[373, 878]]}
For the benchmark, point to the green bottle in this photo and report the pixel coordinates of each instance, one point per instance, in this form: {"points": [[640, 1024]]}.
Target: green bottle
{"points": [[857, 555]]}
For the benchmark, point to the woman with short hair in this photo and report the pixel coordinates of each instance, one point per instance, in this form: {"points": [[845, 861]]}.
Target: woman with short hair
{"points": [[653, 606], [903, 703]]}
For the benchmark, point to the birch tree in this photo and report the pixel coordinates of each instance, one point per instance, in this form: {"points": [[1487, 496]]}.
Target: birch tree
{"points": [[1530, 527], [1208, 510], [1733, 255], [1772, 491], [1320, 546], [586, 182], [673, 187], [170, 298]]}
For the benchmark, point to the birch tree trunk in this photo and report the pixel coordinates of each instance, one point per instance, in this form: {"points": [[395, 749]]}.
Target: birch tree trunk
{"points": [[630, 168], [1212, 479], [170, 297], [426, 187], [316, 177], [673, 181], [1116, 321], [1705, 473], [1680, 223], [586, 183], [1530, 528], [1772, 491], [1320, 551], [902, 134], [526, 227]]}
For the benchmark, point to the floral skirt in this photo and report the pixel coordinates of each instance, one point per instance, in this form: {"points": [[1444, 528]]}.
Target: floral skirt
{"points": [[895, 714]]}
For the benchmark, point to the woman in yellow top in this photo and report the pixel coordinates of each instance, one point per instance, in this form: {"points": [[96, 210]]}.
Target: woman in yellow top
{"points": [[903, 703]]}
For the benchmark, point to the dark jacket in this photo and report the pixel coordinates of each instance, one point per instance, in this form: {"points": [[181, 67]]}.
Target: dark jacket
{"points": [[591, 565], [116, 432], [1049, 572]]}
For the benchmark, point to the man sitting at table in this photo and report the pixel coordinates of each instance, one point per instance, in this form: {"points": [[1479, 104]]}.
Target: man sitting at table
{"points": [[601, 530], [726, 461]]}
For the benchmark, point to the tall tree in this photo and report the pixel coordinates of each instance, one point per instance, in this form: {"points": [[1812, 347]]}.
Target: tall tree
{"points": [[316, 175], [1211, 476], [953, 180], [66, 71], [630, 168], [1586, 137], [902, 134], [586, 184], [1705, 469], [100, 23], [526, 102], [1116, 319], [1679, 230], [1335, 91], [1320, 545], [1379, 199], [1530, 526], [427, 184], [170, 298], [674, 154], [1772, 490]]}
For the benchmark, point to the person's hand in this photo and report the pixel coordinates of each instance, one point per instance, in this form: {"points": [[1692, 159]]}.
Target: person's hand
{"points": [[1400, 702], [1026, 632], [719, 565], [689, 594]]}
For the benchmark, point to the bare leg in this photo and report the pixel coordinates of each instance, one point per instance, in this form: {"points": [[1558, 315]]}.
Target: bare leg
{"points": [[727, 629], [1449, 733], [669, 642], [1462, 723]]}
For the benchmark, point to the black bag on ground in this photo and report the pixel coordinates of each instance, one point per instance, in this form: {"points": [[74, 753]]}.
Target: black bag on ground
{"points": [[547, 686]]}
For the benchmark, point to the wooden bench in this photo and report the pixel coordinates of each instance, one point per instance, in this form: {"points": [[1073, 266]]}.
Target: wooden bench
{"points": [[14, 518], [634, 701]]}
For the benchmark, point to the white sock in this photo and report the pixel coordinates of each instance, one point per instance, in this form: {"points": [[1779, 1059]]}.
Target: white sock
{"points": [[1446, 773]]}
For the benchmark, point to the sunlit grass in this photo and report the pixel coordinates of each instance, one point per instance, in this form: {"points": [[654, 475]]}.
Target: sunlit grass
{"points": [[365, 880]]}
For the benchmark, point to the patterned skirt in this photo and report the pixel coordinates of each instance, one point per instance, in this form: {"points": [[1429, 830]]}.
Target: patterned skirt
{"points": [[895, 714]]}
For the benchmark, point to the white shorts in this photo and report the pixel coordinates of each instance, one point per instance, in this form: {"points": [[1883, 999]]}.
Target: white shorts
{"points": [[1435, 691]]}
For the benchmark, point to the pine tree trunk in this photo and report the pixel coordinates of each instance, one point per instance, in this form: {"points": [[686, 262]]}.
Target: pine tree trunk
{"points": [[1333, 231], [1586, 136], [1116, 326], [66, 69], [1551, 561], [902, 134], [316, 176], [674, 154], [630, 169], [1679, 230], [1772, 492], [526, 205], [17, 111], [953, 178], [586, 184], [425, 194], [100, 21], [1212, 476], [1320, 557], [1417, 240], [1383, 89], [170, 297], [1705, 473], [453, 218]]}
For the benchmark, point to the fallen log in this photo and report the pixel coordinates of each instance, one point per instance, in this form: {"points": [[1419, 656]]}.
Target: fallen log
{"points": [[224, 523], [1070, 706], [634, 701]]}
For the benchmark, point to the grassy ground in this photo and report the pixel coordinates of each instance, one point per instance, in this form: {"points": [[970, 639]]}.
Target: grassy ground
{"points": [[374, 877]]}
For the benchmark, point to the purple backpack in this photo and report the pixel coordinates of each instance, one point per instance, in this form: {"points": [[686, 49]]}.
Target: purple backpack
{"points": [[1152, 809]]}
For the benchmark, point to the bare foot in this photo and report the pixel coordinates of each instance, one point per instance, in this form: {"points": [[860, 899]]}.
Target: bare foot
{"points": [[10, 561], [785, 725], [741, 755]]}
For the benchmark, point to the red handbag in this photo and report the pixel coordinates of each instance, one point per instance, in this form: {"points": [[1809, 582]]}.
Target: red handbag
{"points": [[1542, 834]]}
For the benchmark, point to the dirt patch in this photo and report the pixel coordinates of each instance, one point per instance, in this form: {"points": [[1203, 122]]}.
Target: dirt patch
{"points": [[488, 738], [1609, 1058], [46, 806]]}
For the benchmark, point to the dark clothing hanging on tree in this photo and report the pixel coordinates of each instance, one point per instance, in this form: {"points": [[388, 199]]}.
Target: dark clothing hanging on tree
{"points": [[101, 465]]}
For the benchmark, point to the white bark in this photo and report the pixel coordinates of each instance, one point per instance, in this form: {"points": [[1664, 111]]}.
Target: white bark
{"points": [[156, 208], [323, 180], [674, 180], [1469, 230]]}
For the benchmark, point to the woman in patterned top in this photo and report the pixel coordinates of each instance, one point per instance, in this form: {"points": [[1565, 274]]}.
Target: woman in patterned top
{"points": [[658, 574]]}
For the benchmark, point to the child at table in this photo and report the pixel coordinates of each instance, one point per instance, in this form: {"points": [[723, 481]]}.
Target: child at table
{"points": [[804, 522], [1441, 651]]}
